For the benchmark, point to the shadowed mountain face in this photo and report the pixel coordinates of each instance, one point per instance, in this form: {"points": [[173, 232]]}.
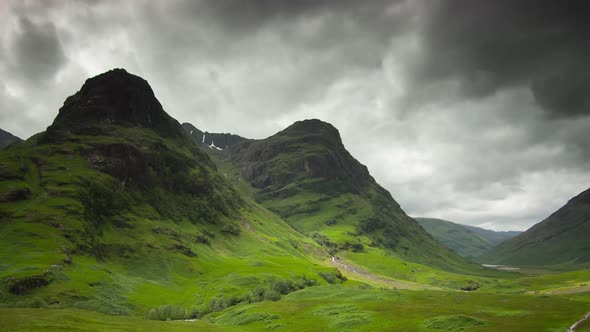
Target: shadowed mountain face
{"points": [[115, 97], [561, 239], [305, 175], [309, 151], [7, 139], [215, 141]]}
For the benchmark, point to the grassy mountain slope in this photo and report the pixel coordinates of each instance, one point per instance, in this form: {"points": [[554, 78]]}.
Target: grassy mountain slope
{"points": [[561, 239], [461, 239], [114, 209], [7, 139], [305, 175]]}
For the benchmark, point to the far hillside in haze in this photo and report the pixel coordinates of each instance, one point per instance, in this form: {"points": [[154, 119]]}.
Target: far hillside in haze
{"points": [[7, 139], [467, 241], [561, 239]]}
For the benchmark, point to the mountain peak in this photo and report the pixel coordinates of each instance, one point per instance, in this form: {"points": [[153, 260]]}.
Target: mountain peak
{"points": [[314, 130], [312, 126], [116, 97]]}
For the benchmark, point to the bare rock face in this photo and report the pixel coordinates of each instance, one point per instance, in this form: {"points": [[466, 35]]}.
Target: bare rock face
{"points": [[216, 141], [115, 97]]}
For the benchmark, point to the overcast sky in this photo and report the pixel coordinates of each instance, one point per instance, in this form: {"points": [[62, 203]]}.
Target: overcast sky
{"points": [[475, 111]]}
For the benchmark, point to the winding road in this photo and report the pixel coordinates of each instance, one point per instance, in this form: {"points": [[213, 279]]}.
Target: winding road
{"points": [[576, 324]]}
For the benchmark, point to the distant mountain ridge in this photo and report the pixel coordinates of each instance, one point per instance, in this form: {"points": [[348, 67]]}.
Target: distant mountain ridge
{"points": [[495, 237], [216, 141], [467, 241], [7, 139], [563, 239]]}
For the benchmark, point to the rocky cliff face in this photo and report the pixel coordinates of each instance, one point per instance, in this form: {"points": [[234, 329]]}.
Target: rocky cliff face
{"points": [[215, 141], [128, 135], [114, 98], [309, 149]]}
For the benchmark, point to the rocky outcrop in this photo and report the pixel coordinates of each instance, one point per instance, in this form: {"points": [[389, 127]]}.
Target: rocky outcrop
{"points": [[115, 97], [309, 149], [217, 141]]}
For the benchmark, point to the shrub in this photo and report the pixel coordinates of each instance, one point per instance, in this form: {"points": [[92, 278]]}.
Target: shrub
{"points": [[283, 286], [332, 277], [272, 295], [168, 312], [230, 229], [219, 303]]}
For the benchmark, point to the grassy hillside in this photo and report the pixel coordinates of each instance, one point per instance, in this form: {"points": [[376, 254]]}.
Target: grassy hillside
{"points": [[306, 176], [117, 211], [461, 239], [563, 239]]}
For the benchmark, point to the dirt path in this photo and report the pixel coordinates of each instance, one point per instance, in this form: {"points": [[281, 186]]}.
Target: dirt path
{"points": [[573, 327], [354, 270]]}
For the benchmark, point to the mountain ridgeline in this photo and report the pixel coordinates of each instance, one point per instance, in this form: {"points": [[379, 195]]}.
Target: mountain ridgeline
{"points": [[214, 141], [7, 139], [562, 239], [306, 176], [495, 237]]}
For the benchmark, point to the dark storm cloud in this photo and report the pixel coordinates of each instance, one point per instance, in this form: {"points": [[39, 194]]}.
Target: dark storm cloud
{"points": [[36, 50], [491, 45]]}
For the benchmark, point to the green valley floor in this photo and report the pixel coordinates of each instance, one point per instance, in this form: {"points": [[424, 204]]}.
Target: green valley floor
{"points": [[517, 303]]}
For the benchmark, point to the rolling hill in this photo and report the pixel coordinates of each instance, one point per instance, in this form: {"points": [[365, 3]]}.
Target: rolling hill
{"points": [[562, 239]]}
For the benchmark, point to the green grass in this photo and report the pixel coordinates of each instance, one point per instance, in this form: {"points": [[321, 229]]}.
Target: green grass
{"points": [[342, 307], [452, 323], [82, 320]]}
